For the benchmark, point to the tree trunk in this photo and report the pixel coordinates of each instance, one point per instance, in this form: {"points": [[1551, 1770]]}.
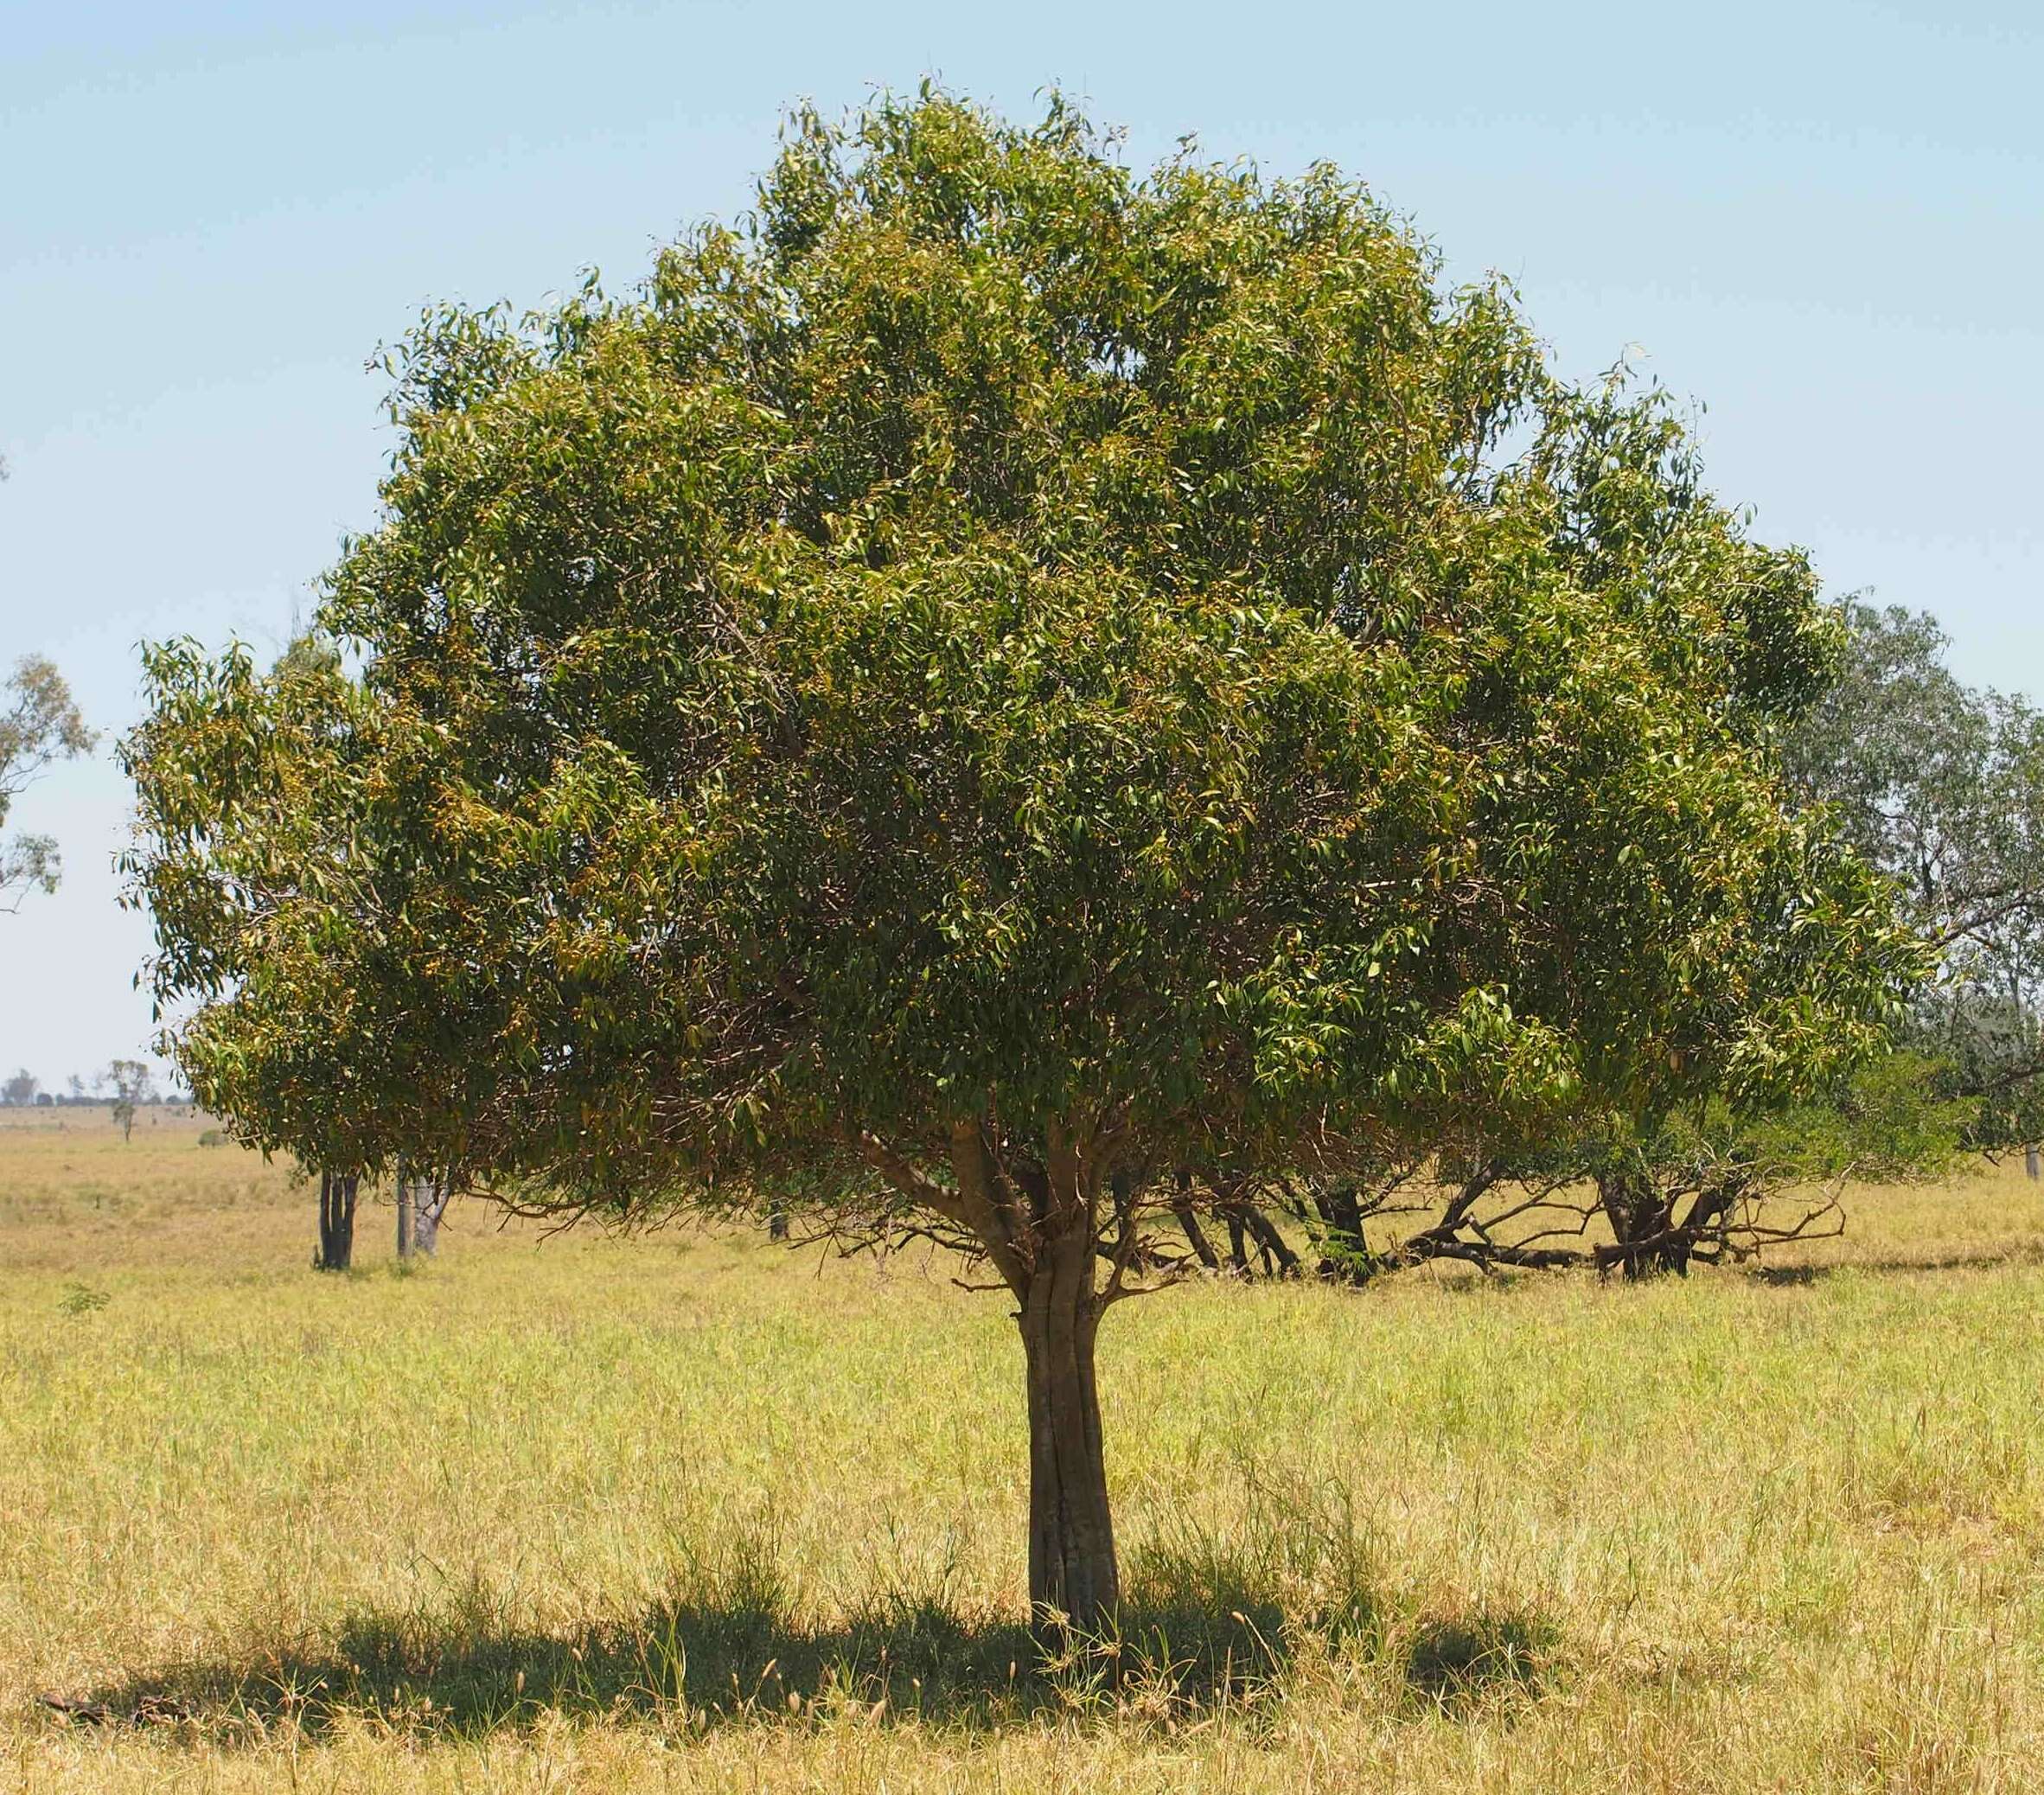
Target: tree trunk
{"points": [[1196, 1236], [2029, 1161], [407, 1218], [1709, 1208], [1073, 1580], [1638, 1213], [336, 1221], [1249, 1226], [1279, 1260], [1347, 1256], [1238, 1256], [429, 1203]]}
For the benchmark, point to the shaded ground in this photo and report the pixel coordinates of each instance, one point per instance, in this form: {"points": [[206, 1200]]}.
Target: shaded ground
{"points": [[704, 1663]]}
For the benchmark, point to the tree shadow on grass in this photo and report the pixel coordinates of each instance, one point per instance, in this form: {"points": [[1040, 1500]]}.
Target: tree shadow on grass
{"points": [[2015, 1256], [1195, 1637], [1458, 1662], [702, 1659]]}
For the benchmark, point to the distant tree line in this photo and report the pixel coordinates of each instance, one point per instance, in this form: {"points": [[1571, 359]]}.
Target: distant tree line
{"points": [[126, 1083]]}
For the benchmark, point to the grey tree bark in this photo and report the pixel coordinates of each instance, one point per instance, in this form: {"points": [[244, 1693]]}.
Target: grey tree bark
{"points": [[428, 1202], [405, 1218]]}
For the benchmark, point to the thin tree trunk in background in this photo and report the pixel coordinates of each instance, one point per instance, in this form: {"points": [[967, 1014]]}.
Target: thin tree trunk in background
{"points": [[322, 1258], [1181, 1208], [406, 1217], [1279, 1260], [336, 1221], [429, 1203], [1195, 1236], [1238, 1255], [2029, 1162]]}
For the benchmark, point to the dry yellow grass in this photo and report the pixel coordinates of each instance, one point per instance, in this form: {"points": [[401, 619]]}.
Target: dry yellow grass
{"points": [[685, 1513]]}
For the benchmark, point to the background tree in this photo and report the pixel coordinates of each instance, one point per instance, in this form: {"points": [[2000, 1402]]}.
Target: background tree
{"points": [[1718, 1180], [298, 730], [39, 725], [1941, 787], [995, 683], [421, 1202], [20, 1089], [130, 1083]]}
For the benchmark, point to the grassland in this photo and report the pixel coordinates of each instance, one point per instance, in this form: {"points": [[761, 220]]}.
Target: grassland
{"points": [[688, 1512]]}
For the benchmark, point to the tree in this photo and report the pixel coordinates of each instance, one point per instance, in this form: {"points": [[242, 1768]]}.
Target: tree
{"points": [[1940, 786], [994, 684], [131, 1083], [421, 1203], [39, 725], [1720, 1180], [20, 1089]]}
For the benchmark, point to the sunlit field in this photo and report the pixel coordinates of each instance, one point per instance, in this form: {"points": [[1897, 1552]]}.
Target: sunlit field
{"points": [[692, 1512]]}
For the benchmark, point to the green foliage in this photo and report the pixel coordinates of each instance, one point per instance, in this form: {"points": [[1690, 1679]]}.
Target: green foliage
{"points": [[1941, 787], [79, 1299], [997, 639], [39, 724], [1889, 1121], [1892, 1122]]}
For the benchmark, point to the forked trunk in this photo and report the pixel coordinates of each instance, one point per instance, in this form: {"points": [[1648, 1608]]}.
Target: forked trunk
{"points": [[1073, 1580], [1279, 1260], [336, 1221], [1638, 1214]]}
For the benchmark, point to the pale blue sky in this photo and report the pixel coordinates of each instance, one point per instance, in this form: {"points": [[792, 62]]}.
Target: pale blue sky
{"points": [[1823, 221]]}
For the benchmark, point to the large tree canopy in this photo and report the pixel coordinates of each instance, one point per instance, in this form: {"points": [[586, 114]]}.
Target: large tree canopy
{"points": [[992, 682]]}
